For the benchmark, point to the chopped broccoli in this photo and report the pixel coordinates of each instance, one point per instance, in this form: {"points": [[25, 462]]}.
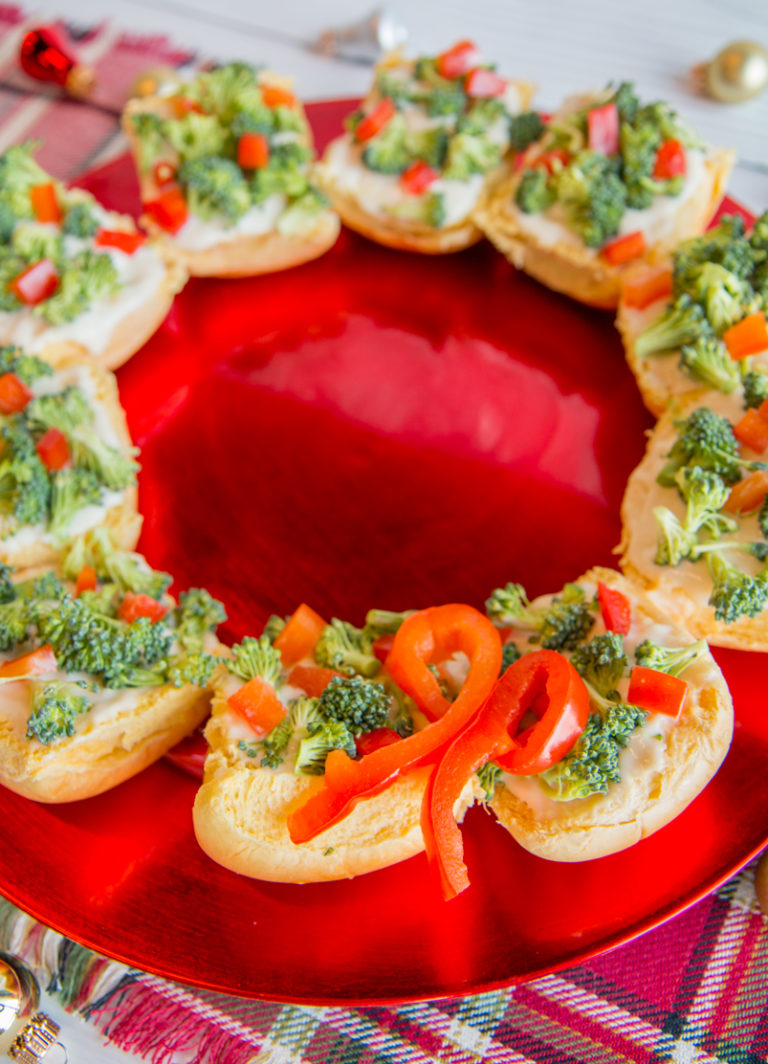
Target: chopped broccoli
{"points": [[196, 614], [758, 238], [593, 762], [33, 241], [524, 129], [509, 655], [80, 219], [674, 660], [150, 134], [626, 100], [387, 152], [681, 323], [127, 570], [215, 187], [638, 145], [25, 489], [361, 706], [593, 196], [256, 657], [429, 145], [755, 384], [704, 494], [302, 714], [342, 646], [72, 489], [106, 599], [735, 593], [395, 86], [303, 213], [468, 155], [383, 622], [291, 181], [535, 193], [601, 661], [228, 90], [725, 297], [193, 669], [674, 541], [15, 621], [322, 737], [707, 360], [27, 368], [483, 114], [724, 245], [196, 137], [54, 708], [7, 590], [423, 210], [560, 626], [7, 221], [274, 627], [705, 439], [18, 174], [87, 277]]}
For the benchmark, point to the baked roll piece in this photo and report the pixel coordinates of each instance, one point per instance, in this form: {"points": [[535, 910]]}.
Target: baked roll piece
{"points": [[696, 321], [66, 464], [609, 181], [287, 717], [225, 170], [695, 521], [76, 281], [607, 720], [101, 674], [429, 137]]}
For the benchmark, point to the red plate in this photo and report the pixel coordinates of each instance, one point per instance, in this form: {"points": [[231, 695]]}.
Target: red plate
{"points": [[374, 428]]}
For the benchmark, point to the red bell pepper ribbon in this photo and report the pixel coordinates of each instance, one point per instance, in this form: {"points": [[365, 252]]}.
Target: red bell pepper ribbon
{"points": [[374, 740], [311, 679], [615, 609], [14, 394], [603, 129], [375, 120], [424, 638], [484, 84], [670, 160], [53, 449], [302, 630], [45, 203], [656, 692], [37, 662], [36, 283], [169, 210], [458, 60], [119, 238], [139, 605], [542, 682]]}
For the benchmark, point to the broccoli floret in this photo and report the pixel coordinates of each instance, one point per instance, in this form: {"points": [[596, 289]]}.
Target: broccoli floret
{"points": [[322, 737], [66, 411], [88, 276], [681, 323], [342, 646], [193, 669], [11, 265], [705, 439], [674, 660], [7, 221], [303, 213], [704, 494], [560, 626], [54, 708], [383, 622], [215, 187], [724, 245], [274, 627], [735, 593], [197, 137], [150, 135], [482, 115], [524, 129], [387, 152], [535, 193], [445, 100], [127, 570], [14, 622], [80, 220], [27, 368], [256, 657], [25, 489], [71, 491], [509, 655], [227, 90], [468, 155], [7, 590], [302, 715], [601, 661], [429, 145], [256, 121], [395, 86], [104, 599], [758, 238], [287, 120], [289, 155], [627, 101], [638, 153], [593, 196], [724, 296], [593, 763], [707, 360], [755, 384], [18, 174], [33, 241], [196, 614], [361, 706], [674, 541], [423, 210]]}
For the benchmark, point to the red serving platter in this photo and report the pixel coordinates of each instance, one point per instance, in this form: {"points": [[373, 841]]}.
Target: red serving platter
{"points": [[374, 428]]}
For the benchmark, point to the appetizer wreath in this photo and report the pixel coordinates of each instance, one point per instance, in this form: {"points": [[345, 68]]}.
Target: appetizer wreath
{"points": [[586, 719]]}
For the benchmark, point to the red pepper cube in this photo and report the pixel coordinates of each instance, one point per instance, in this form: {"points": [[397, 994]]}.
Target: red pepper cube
{"points": [[484, 84], [53, 449], [139, 605], [644, 288], [14, 394], [45, 203], [615, 609], [670, 160], [120, 239], [417, 178], [169, 210], [275, 96], [656, 692], [257, 703], [375, 120], [87, 580], [748, 336], [311, 679], [458, 60], [252, 151], [38, 282], [603, 129], [752, 431], [624, 248]]}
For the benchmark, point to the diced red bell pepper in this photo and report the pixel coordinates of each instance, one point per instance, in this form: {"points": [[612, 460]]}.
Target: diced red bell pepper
{"points": [[275, 96], [169, 210], [752, 431], [14, 394], [120, 239], [36, 283], [374, 740], [136, 605], [656, 692], [36, 663], [53, 449], [45, 203], [302, 630], [163, 172], [646, 286], [670, 160], [624, 248], [615, 609], [748, 336], [749, 494], [87, 580], [252, 151], [603, 128], [183, 105], [375, 120], [458, 60], [257, 703], [312, 679], [484, 84], [417, 178]]}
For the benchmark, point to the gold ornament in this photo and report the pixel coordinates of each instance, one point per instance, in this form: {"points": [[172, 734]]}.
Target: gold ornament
{"points": [[154, 81], [737, 73], [26, 1035]]}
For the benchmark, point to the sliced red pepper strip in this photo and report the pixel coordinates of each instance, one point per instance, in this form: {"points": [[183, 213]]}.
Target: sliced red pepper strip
{"points": [[169, 210], [424, 638], [14, 394], [257, 703], [36, 663], [625, 248], [312, 679], [615, 609], [36, 283], [670, 160], [457, 60], [297, 640], [375, 120], [642, 289], [656, 692], [87, 580], [45, 203], [373, 740], [138, 605], [748, 495], [752, 431], [120, 239], [484, 84], [53, 449], [603, 129]]}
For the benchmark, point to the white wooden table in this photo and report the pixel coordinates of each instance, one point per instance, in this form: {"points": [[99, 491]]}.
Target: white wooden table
{"points": [[561, 45]]}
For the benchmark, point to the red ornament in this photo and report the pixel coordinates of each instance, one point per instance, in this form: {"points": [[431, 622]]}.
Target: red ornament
{"points": [[44, 55]]}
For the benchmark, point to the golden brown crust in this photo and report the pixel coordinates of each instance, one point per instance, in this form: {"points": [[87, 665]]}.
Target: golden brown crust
{"points": [[123, 519], [571, 268], [695, 747]]}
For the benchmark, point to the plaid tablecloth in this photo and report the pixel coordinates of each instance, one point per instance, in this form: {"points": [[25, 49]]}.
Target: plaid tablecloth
{"points": [[695, 989]]}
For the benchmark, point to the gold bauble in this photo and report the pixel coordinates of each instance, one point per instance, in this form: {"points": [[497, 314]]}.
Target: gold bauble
{"points": [[738, 72]]}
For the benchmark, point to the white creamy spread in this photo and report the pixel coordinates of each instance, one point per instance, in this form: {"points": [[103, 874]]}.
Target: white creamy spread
{"points": [[198, 234]]}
